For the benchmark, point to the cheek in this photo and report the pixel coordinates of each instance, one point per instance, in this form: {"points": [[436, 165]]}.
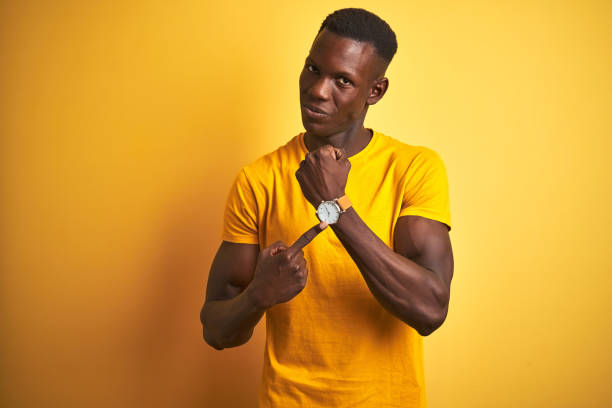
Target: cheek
{"points": [[303, 82], [352, 108]]}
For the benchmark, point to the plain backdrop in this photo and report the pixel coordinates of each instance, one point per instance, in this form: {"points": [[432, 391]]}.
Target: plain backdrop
{"points": [[123, 123]]}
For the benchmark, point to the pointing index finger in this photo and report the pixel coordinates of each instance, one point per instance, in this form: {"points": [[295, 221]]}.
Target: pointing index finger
{"points": [[306, 238]]}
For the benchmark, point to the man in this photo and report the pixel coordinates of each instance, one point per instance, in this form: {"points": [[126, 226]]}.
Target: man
{"points": [[346, 305]]}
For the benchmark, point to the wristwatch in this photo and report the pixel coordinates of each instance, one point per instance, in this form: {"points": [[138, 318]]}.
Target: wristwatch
{"points": [[329, 211]]}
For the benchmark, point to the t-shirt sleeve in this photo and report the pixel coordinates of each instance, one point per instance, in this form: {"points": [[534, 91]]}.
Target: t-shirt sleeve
{"points": [[426, 190], [240, 216]]}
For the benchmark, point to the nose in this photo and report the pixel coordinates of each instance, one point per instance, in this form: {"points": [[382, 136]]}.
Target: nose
{"points": [[319, 89]]}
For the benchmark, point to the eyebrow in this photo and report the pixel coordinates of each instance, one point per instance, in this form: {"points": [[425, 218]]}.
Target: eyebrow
{"points": [[350, 75]]}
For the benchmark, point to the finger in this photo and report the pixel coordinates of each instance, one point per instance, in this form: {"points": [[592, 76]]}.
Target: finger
{"points": [[327, 150], [269, 247], [303, 274], [277, 247], [277, 250], [339, 153], [306, 238], [298, 262]]}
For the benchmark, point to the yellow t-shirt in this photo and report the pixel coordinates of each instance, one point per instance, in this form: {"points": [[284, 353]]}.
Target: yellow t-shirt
{"points": [[334, 345]]}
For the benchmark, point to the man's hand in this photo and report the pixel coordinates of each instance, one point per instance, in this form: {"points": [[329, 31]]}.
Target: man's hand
{"points": [[323, 173], [281, 273]]}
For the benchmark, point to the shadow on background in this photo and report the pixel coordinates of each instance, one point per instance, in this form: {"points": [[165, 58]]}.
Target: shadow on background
{"points": [[169, 350]]}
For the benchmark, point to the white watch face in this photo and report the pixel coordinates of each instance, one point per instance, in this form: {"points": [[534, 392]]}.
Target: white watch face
{"points": [[329, 212]]}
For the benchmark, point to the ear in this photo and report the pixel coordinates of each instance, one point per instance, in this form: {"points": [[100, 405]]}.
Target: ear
{"points": [[378, 90]]}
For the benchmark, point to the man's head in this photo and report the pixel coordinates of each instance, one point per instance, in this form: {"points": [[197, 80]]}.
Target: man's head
{"points": [[344, 71]]}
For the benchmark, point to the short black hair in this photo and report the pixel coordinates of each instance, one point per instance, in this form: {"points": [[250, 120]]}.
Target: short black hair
{"points": [[362, 25]]}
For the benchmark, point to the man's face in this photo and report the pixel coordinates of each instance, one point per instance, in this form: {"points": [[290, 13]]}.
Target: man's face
{"points": [[337, 80]]}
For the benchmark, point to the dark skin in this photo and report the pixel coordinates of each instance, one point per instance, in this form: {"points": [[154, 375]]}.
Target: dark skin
{"points": [[243, 283], [341, 78]]}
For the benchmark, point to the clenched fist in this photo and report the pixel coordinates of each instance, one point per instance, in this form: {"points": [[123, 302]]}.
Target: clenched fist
{"points": [[323, 174], [281, 272]]}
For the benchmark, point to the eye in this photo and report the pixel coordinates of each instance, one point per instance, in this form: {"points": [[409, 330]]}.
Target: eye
{"points": [[311, 68], [344, 81]]}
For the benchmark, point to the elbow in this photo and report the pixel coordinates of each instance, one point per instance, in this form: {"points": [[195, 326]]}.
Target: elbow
{"points": [[221, 342], [427, 328], [206, 333], [433, 311], [210, 341], [431, 321]]}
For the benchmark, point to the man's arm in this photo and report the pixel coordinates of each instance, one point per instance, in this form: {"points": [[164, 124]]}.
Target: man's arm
{"points": [[229, 315], [243, 283], [412, 282]]}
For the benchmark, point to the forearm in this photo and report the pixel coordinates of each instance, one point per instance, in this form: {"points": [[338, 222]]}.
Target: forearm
{"points": [[406, 289], [230, 323]]}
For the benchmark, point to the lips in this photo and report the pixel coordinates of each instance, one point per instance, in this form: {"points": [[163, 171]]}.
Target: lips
{"points": [[314, 109]]}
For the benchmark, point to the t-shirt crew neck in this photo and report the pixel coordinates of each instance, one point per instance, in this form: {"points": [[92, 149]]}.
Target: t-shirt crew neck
{"points": [[358, 156]]}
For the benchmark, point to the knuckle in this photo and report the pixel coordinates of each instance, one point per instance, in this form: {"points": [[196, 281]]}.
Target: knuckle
{"points": [[276, 247]]}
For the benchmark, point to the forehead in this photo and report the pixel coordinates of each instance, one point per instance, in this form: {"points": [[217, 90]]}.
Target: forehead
{"points": [[335, 53]]}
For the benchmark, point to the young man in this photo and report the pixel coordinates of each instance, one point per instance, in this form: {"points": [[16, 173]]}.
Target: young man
{"points": [[346, 305]]}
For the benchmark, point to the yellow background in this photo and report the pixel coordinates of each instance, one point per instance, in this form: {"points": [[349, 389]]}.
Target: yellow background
{"points": [[123, 124]]}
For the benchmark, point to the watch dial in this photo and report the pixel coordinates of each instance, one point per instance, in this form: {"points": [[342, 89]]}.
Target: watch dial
{"points": [[328, 212]]}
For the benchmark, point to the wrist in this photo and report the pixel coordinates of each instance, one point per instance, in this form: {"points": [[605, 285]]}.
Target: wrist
{"points": [[333, 197], [255, 300], [331, 211], [345, 218]]}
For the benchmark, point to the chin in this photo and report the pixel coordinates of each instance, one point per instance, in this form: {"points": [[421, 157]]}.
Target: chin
{"points": [[316, 130]]}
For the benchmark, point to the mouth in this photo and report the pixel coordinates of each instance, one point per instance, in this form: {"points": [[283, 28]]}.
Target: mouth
{"points": [[313, 111]]}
